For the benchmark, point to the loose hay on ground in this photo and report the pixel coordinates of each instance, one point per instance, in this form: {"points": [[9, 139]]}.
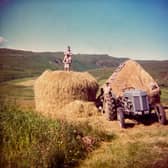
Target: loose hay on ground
{"points": [[79, 109]]}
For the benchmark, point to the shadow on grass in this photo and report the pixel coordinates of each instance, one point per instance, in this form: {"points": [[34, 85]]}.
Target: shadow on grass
{"points": [[165, 107], [129, 125], [146, 120]]}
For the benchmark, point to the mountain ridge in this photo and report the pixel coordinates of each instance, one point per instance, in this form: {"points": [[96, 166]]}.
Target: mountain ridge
{"points": [[20, 63]]}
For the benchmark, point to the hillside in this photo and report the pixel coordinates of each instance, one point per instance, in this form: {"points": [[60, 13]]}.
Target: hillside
{"points": [[16, 64]]}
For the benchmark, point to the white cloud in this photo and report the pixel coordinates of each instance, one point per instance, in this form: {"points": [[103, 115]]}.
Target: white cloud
{"points": [[2, 40]]}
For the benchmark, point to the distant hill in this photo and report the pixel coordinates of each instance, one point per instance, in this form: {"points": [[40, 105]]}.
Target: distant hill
{"points": [[18, 63]]}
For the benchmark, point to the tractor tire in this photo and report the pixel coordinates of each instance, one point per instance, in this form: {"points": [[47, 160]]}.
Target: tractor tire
{"points": [[160, 112], [120, 117], [109, 107]]}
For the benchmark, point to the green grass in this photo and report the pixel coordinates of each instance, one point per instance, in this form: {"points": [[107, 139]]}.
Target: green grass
{"points": [[16, 81], [16, 91], [164, 95], [134, 155], [102, 74], [30, 140]]}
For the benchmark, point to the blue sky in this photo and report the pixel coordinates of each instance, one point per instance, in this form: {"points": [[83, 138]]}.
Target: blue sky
{"points": [[137, 29]]}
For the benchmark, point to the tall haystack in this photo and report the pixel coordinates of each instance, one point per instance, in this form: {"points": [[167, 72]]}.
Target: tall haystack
{"points": [[130, 74], [55, 89]]}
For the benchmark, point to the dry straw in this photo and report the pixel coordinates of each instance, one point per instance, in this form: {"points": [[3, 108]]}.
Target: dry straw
{"points": [[78, 109], [131, 74], [55, 89]]}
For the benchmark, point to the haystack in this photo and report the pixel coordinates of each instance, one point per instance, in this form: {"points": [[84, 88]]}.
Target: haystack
{"points": [[55, 89], [130, 74]]}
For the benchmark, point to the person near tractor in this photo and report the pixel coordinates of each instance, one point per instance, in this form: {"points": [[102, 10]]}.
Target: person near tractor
{"points": [[67, 59], [107, 88], [100, 99], [154, 96], [109, 102]]}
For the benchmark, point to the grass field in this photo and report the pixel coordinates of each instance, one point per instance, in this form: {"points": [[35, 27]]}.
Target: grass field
{"points": [[164, 95], [30, 140], [138, 147]]}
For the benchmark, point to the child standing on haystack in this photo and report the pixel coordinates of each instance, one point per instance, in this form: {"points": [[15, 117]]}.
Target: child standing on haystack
{"points": [[67, 59]]}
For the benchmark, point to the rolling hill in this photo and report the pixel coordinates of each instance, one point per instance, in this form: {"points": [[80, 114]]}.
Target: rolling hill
{"points": [[16, 64]]}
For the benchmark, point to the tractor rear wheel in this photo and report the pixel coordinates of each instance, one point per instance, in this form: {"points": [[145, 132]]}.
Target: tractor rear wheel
{"points": [[160, 112]]}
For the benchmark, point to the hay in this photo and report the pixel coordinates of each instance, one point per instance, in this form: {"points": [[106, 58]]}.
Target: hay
{"points": [[130, 74], [77, 110], [55, 89]]}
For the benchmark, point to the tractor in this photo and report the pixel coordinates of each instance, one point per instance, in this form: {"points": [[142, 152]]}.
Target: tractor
{"points": [[135, 102]]}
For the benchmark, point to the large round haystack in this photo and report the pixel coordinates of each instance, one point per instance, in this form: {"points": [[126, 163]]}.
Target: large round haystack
{"points": [[130, 74], [55, 89]]}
